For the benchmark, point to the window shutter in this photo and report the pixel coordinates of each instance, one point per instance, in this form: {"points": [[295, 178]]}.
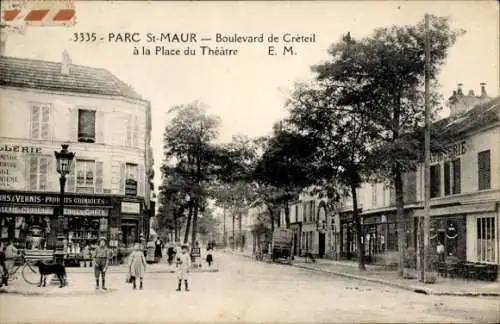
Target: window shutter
{"points": [[51, 174], [35, 122], [122, 179], [70, 179], [27, 172], [129, 130], [100, 127], [44, 127], [136, 132], [33, 174], [73, 124], [140, 186], [98, 176], [42, 173]]}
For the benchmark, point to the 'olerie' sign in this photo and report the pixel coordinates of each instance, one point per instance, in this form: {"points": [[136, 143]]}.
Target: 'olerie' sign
{"points": [[450, 152], [13, 165]]}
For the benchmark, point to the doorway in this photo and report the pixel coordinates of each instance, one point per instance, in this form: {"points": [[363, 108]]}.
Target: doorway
{"points": [[321, 245]]}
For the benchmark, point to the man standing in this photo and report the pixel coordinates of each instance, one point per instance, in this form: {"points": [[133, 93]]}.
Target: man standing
{"points": [[101, 259]]}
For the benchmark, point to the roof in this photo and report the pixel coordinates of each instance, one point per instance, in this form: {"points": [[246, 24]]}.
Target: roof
{"points": [[479, 116], [46, 75]]}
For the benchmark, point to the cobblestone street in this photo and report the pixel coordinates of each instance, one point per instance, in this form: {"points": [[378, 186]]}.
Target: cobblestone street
{"points": [[242, 291]]}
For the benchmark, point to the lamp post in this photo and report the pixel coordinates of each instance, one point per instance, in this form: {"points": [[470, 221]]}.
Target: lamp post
{"points": [[64, 161]]}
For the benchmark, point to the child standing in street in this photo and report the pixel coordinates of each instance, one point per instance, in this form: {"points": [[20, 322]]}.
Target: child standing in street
{"points": [[183, 264], [137, 266], [101, 259], [210, 256]]}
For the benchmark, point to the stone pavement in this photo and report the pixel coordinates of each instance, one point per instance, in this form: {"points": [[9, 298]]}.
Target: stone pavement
{"points": [[377, 274]]}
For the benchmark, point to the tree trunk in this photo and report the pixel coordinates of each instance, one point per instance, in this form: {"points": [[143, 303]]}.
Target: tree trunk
{"points": [[188, 224], [194, 230], [240, 232], [271, 215], [224, 233], [233, 240], [176, 232], [287, 214], [400, 217], [359, 231]]}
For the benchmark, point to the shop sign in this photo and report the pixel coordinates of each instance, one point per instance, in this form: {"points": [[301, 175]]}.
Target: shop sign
{"points": [[85, 212], [450, 152], [52, 199], [26, 210], [130, 188], [131, 208], [13, 165]]}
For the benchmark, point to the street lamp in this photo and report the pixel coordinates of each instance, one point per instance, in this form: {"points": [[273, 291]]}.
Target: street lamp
{"points": [[64, 161]]}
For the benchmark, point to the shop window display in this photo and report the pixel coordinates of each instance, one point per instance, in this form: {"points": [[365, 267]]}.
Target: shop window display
{"points": [[28, 231]]}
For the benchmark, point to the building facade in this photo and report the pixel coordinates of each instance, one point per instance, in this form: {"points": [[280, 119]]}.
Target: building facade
{"points": [[465, 197], [104, 122]]}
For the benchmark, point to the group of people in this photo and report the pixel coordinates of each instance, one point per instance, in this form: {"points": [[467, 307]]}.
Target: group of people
{"points": [[136, 262]]}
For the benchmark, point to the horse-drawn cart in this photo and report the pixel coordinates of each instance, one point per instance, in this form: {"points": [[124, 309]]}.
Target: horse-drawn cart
{"points": [[281, 247]]}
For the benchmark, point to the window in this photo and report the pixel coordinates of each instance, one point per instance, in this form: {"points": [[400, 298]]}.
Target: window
{"points": [[133, 131], [39, 168], [374, 195], [435, 180], [484, 170], [40, 115], [311, 210], [447, 179], [131, 171], [457, 183], [485, 246], [85, 176], [304, 212], [86, 126]]}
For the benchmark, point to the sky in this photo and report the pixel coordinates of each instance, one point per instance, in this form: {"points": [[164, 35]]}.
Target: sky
{"points": [[248, 90]]}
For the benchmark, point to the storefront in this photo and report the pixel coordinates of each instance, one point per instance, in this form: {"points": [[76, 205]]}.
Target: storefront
{"points": [[468, 231], [131, 222], [29, 219]]}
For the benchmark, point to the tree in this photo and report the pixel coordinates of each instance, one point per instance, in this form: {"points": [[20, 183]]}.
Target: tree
{"points": [[327, 114], [389, 66], [188, 145], [282, 171]]}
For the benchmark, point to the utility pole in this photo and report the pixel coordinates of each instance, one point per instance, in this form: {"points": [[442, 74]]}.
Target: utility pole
{"points": [[425, 268]]}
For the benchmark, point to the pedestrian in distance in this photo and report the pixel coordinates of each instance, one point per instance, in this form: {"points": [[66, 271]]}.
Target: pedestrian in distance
{"points": [[137, 266], [183, 265], [101, 259], [170, 253], [210, 256], [158, 249]]}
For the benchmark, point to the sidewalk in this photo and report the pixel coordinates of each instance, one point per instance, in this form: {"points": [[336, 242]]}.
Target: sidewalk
{"points": [[377, 274]]}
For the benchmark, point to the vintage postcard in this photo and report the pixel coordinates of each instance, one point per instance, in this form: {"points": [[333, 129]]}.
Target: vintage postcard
{"points": [[249, 161]]}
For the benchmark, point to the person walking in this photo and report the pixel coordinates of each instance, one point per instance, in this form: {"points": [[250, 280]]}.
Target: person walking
{"points": [[10, 253], [101, 259], [183, 265], [158, 249], [210, 256], [170, 253], [3, 267], [137, 266]]}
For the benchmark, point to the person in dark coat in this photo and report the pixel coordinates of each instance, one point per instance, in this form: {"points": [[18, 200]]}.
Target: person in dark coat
{"points": [[171, 253], [158, 249]]}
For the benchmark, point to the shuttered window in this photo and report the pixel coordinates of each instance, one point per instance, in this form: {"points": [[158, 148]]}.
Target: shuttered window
{"points": [[86, 125], [133, 131], [435, 173], [447, 178], [85, 176], [40, 120], [457, 176], [484, 170], [39, 169]]}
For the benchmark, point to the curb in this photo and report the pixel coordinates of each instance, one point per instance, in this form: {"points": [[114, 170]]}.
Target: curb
{"points": [[415, 289], [52, 293]]}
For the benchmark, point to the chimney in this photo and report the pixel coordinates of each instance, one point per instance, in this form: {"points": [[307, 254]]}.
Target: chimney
{"points": [[65, 63], [471, 93], [459, 90], [483, 90]]}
